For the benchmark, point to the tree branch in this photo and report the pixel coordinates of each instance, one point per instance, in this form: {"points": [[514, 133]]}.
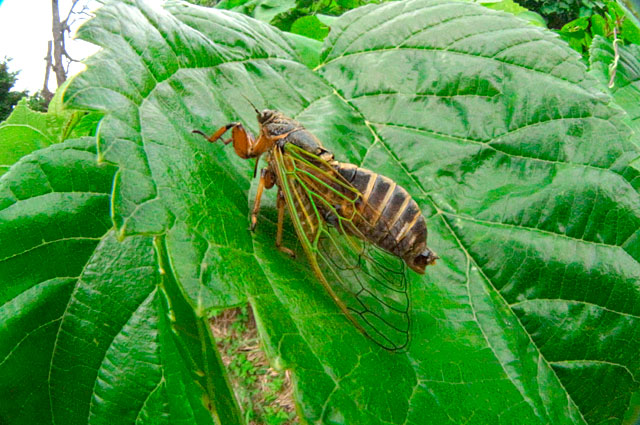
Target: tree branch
{"points": [[45, 92], [58, 43]]}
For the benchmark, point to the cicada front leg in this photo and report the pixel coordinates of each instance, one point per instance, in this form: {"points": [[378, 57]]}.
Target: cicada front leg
{"points": [[245, 145], [267, 180]]}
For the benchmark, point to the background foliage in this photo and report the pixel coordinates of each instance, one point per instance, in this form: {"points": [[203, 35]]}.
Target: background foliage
{"points": [[121, 241], [559, 12], [27, 130], [8, 98]]}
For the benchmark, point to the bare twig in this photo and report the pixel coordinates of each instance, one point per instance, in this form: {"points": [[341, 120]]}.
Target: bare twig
{"points": [[69, 62], [73, 5], [65, 53]]}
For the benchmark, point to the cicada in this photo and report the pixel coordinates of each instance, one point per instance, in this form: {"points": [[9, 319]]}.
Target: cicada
{"points": [[359, 230]]}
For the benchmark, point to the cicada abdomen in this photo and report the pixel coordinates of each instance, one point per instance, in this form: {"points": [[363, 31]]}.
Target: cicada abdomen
{"points": [[389, 217]]}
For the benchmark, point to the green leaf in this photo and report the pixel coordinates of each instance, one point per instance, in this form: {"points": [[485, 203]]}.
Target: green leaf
{"points": [[310, 26], [308, 49], [90, 331], [518, 159], [633, 413], [328, 20], [348, 4], [506, 6], [514, 8], [630, 32], [616, 11], [631, 9], [626, 83], [576, 34], [533, 18], [240, 6], [576, 26], [22, 133], [266, 10], [25, 130], [598, 25]]}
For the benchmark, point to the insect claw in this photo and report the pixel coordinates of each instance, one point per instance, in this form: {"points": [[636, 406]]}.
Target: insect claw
{"points": [[287, 251]]}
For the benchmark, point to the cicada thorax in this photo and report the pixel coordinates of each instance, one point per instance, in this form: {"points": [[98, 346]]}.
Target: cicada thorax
{"points": [[283, 131]]}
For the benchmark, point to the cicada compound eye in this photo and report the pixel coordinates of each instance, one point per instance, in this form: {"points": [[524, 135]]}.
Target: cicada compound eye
{"points": [[265, 115]]}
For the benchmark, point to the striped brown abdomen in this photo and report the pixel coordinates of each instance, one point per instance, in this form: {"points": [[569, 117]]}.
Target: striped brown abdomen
{"points": [[389, 217]]}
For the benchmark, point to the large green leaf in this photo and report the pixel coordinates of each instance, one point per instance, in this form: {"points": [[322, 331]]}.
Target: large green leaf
{"points": [[90, 331], [513, 151]]}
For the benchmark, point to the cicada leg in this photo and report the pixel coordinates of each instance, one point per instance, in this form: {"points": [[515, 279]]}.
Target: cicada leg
{"points": [[281, 205], [245, 145], [267, 180]]}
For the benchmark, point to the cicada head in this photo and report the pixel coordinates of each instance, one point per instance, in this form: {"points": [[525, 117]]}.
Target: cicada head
{"points": [[267, 115]]}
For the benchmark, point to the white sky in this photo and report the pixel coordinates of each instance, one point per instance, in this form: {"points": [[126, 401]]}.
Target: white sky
{"points": [[25, 28]]}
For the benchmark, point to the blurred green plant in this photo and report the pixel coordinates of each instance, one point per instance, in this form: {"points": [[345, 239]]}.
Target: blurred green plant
{"points": [[612, 23], [632, 7], [37, 102], [8, 97], [560, 12], [514, 8], [27, 129], [301, 17]]}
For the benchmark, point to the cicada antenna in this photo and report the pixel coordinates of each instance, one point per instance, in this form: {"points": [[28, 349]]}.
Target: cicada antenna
{"points": [[250, 103]]}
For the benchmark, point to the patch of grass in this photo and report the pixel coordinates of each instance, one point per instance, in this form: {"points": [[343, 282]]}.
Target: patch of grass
{"points": [[264, 394]]}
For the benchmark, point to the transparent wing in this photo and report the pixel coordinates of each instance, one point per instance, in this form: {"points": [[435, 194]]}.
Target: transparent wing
{"points": [[367, 283]]}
